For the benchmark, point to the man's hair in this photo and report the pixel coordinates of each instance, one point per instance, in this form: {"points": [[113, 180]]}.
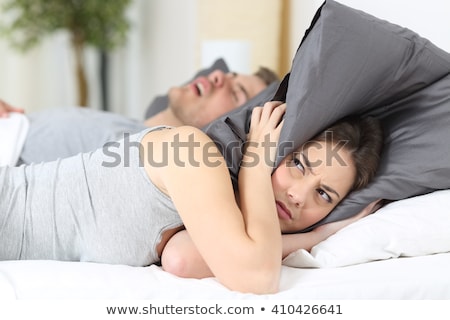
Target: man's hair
{"points": [[267, 75], [363, 138]]}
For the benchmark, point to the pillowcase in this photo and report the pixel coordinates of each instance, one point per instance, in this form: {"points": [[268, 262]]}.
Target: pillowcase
{"points": [[160, 103], [350, 62], [406, 228]]}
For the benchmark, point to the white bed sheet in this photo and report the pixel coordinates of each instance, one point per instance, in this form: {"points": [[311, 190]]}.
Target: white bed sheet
{"points": [[424, 277], [13, 131]]}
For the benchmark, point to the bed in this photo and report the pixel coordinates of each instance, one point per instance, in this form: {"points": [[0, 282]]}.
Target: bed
{"points": [[402, 251], [402, 278], [409, 260]]}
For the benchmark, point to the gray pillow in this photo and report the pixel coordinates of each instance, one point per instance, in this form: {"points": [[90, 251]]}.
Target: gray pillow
{"points": [[229, 131], [350, 62], [160, 103]]}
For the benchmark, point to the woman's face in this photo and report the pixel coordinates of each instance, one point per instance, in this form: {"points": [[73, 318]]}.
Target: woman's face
{"points": [[309, 183]]}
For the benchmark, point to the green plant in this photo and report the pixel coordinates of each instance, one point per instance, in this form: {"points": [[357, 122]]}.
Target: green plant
{"points": [[98, 23]]}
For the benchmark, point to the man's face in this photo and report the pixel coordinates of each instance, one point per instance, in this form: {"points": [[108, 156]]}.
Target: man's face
{"points": [[207, 98]]}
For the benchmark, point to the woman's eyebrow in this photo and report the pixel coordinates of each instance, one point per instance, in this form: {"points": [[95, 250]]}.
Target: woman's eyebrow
{"points": [[324, 186], [329, 189]]}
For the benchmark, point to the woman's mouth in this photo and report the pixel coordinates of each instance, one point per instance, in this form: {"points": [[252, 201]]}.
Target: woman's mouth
{"points": [[283, 212]]}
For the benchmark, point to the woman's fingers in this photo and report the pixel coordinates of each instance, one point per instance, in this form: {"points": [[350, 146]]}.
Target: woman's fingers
{"points": [[369, 209], [269, 108], [267, 120], [277, 115], [256, 115], [270, 114], [265, 128]]}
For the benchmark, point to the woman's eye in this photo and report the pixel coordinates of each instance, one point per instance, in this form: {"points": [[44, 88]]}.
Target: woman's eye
{"points": [[324, 195], [298, 164]]}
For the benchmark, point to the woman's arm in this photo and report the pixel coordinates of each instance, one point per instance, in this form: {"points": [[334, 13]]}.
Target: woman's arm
{"points": [[180, 256], [242, 247], [307, 240]]}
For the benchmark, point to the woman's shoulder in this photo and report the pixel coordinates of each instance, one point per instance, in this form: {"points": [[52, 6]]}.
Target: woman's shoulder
{"points": [[179, 151], [186, 136]]}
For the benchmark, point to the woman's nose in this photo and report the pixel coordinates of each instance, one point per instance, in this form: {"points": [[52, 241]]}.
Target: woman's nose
{"points": [[301, 191], [297, 195], [217, 78]]}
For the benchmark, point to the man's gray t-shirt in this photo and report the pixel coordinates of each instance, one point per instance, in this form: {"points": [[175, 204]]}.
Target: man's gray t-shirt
{"points": [[64, 132]]}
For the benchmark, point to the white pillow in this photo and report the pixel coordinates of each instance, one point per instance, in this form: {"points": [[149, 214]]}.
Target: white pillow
{"points": [[412, 227]]}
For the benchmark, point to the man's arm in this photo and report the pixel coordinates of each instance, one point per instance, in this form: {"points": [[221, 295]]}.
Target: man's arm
{"points": [[6, 108]]}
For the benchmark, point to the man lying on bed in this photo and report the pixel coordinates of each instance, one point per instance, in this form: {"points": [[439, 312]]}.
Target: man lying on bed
{"points": [[196, 104]]}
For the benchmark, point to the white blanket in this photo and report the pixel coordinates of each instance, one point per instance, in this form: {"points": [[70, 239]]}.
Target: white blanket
{"points": [[424, 277], [13, 131]]}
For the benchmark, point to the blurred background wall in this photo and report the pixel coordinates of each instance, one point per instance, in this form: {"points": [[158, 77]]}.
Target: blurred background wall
{"points": [[170, 40]]}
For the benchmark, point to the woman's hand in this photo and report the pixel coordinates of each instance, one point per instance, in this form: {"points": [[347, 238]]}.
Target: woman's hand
{"points": [[307, 240], [6, 108], [262, 139], [331, 228]]}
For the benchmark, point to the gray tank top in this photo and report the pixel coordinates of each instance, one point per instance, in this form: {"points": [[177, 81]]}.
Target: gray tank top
{"points": [[98, 207]]}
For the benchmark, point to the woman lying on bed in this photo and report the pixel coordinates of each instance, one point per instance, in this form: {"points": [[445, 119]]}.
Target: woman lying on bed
{"points": [[121, 204]]}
